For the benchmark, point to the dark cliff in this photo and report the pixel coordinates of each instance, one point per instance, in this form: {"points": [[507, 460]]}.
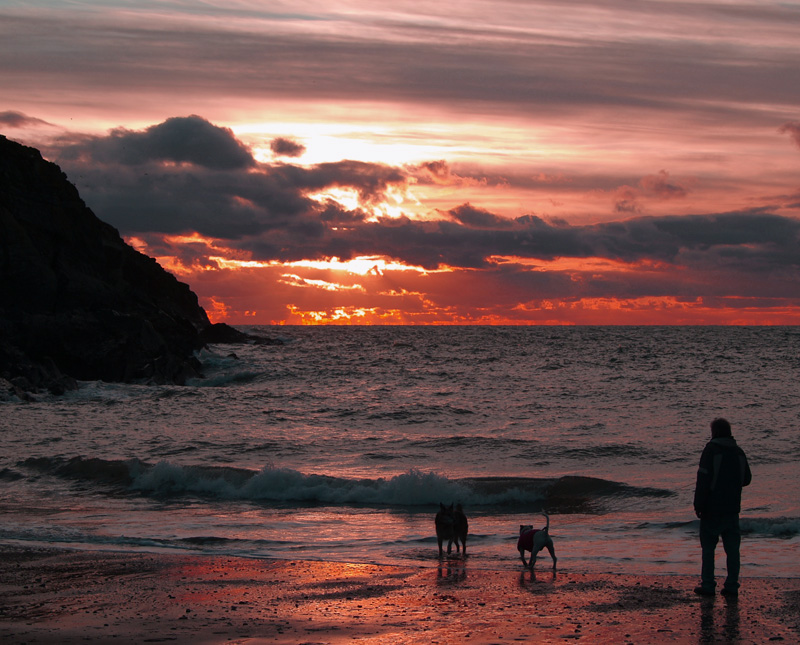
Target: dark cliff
{"points": [[76, 302]]}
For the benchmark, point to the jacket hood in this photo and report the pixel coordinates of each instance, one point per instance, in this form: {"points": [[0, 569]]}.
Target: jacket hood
{"points": [[725, 442]]}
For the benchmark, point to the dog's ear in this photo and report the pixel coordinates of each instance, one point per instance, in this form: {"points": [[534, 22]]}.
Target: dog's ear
{"points": [[441, 506]]}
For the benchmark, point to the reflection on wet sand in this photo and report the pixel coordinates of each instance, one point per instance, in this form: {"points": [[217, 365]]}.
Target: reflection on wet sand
{"points": [[140, 597], [451, 572], [532, 578], [719, 620]]}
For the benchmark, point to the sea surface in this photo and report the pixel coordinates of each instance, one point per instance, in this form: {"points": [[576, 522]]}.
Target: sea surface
{"points": [[341, 442]]}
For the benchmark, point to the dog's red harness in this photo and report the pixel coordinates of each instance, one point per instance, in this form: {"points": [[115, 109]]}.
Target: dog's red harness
{"points": [[525, 541]]}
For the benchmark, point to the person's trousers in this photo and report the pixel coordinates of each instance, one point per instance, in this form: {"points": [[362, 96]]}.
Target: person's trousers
{"points": [[711, 529]]}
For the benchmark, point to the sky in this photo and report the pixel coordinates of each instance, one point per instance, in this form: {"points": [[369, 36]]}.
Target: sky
{"points": [[470, 162]]}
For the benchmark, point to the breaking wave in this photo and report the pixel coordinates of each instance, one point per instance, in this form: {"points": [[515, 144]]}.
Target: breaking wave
{"points": [[286, 486], [781, 527]]}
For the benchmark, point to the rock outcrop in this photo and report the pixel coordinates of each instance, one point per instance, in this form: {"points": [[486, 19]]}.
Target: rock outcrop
{"points": [[76, 302]]}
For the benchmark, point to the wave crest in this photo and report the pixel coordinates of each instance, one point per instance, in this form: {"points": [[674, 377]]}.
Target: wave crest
{"points": [[287, 486]]}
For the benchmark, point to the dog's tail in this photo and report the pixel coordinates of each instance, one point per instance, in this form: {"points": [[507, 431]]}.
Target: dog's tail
{"points": [[547, 526]]}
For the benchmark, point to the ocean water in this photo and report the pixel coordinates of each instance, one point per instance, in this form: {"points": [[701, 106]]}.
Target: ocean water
{"points": [[341, 442]]}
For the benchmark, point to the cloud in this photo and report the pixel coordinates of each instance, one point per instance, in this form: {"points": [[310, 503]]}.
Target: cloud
{"points": [[187, 175], [189, 139], [267, 212], [13, 119], [370, 180], [472, 217], [659, 187], [792, 129], [756, 242], [536, 56], [439, 173], [283, 147], [626, 200]]}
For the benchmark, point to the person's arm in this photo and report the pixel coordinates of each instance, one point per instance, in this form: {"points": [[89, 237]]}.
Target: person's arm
{"points": [[747, 476], [702, 488]]}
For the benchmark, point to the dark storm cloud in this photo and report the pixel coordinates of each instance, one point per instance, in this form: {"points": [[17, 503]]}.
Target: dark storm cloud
{"points": [[370, 180], [268, 210], [755, 242], [283, 147], [222, 193], [472, 217], [752, 241], [226, 205], [189, 139]]}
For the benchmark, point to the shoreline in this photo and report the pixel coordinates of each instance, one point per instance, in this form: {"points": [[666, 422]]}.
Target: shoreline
{"points": [[55, 595]]}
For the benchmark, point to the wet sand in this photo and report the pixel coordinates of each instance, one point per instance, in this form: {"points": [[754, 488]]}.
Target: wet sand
{"points": [[61, 596]]}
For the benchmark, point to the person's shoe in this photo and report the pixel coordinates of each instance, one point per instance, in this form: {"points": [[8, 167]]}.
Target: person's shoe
{"points": [[704, 591], [729, 592]]}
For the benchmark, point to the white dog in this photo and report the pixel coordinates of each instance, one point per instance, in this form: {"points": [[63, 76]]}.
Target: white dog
{"points": [[534, 540]]}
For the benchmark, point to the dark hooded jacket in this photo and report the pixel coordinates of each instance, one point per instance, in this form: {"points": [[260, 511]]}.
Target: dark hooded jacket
{"points": [[722, 473]]}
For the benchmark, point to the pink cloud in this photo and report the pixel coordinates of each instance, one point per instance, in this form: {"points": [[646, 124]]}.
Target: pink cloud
{"points": [[792, 129]]}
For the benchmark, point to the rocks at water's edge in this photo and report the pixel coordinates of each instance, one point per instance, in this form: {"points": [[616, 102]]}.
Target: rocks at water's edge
{"points": [[76, 302]]}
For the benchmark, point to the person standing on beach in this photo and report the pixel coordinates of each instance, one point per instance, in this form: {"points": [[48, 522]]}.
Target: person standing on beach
{"points": [[722, 473]]}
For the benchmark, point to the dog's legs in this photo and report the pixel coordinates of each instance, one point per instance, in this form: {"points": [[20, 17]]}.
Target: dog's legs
{"points": [[552, 550], [441, 553], [522, 557]]}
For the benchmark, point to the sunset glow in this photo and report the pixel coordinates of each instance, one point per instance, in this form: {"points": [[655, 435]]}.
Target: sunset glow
{"points": [[478, 163]]}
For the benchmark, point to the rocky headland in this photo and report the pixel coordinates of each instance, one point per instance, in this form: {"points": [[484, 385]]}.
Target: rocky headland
{"points": [[77, 302]]}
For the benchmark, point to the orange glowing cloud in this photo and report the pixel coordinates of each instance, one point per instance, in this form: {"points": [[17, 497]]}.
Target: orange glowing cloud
{"points": [[513, 292]]}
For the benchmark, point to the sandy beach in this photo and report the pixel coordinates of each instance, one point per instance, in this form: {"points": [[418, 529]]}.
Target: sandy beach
{"points": [[62, 596]]}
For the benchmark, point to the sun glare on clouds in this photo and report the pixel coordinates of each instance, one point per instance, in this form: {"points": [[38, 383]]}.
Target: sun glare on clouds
{"points": [[357, 266], [326, 142], [350, 200]]}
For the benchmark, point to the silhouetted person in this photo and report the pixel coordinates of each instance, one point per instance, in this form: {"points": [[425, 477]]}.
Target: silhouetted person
{"points": [[722, 473]]}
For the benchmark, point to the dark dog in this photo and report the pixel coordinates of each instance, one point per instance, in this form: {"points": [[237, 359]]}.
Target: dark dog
{"points": [[534, 540], [451, 525]]}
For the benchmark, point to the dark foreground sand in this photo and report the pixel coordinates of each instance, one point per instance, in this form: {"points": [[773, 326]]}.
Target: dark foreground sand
{"points": [[55, 596]]}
